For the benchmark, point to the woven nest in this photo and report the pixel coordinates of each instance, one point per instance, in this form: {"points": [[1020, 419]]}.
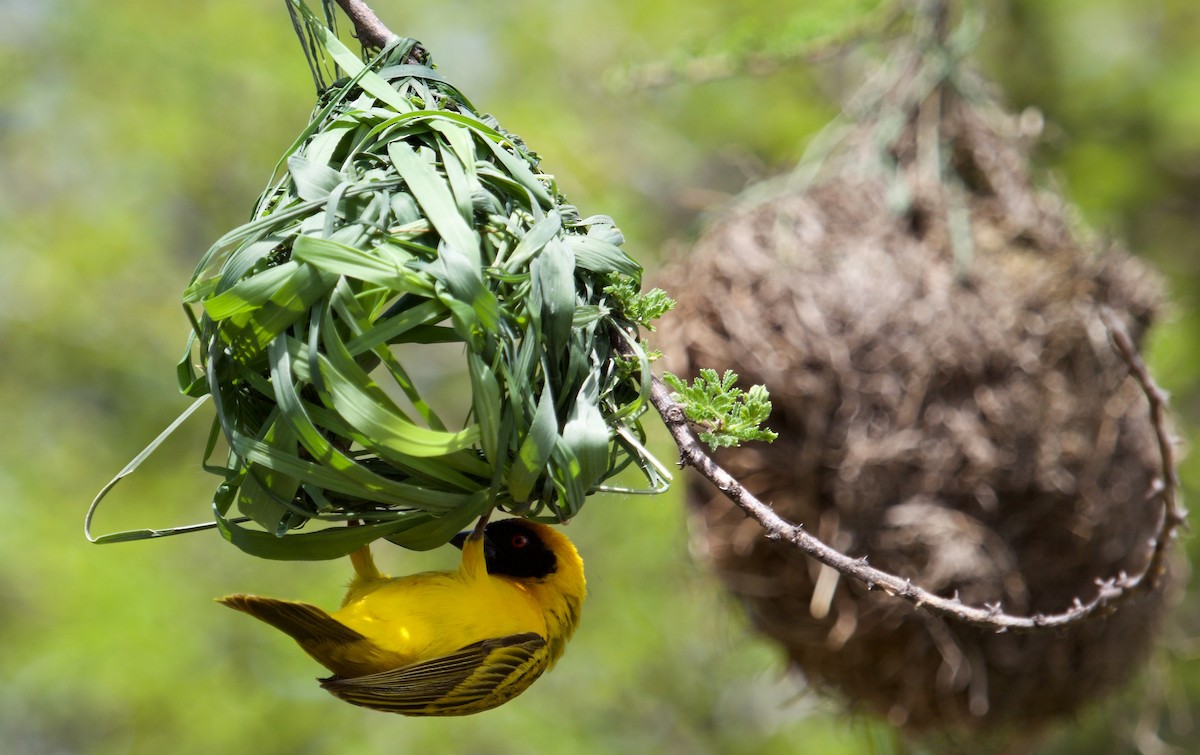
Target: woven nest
{"points": [[948, 404], [404, 220]]}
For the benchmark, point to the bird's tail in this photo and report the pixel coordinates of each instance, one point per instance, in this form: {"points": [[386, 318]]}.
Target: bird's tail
{"points": [[331, 643], [305, 623]]}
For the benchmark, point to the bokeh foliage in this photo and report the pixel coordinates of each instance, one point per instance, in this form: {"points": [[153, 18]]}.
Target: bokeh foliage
{"points": [[134, 134]]}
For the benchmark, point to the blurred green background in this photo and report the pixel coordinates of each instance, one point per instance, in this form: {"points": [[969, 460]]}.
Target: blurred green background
{"points": [[133, 134]]}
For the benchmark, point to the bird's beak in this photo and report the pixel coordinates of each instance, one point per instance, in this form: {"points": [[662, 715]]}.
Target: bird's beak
{"points": [[489, 550]]}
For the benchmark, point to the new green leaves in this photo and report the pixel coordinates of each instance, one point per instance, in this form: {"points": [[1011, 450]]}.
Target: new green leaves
{"points": [[727, 415], [641, 308]]}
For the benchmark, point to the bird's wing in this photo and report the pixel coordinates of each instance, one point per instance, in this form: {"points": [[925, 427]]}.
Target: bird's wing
{"points": [[477, 677]]}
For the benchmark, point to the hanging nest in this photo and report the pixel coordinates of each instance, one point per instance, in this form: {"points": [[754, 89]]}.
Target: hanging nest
{"points": [[406, 219], [949, 405]]}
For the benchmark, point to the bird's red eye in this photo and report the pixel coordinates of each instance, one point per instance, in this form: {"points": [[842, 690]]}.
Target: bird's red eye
{"points": [[519, 541]]}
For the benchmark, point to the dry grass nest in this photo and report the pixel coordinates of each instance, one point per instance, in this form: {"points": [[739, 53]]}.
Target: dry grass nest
{"points": [[949, 405]]}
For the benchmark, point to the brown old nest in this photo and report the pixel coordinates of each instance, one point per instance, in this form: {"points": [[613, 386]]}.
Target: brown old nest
{"points": [[949, 405]]}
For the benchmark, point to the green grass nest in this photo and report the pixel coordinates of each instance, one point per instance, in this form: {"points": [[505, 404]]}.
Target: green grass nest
{"points": [[401, 218]]}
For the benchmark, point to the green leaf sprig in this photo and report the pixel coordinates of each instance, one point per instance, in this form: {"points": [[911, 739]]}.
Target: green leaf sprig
{"points": [[642, 308], [725, 414]]}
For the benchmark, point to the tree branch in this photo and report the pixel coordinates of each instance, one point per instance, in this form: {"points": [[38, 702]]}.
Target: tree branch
{"points": [[371, 32], [990, 616], [1173, 516]]}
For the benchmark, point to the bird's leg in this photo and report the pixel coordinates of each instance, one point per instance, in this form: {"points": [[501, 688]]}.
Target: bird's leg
{"points": [[480, 526], [364, 564], [362, 560], [474, 563]]}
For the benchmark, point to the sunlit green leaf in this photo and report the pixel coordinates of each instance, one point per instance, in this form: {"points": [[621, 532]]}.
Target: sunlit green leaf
{"points": [[313, 180], [535, 451], [434, 197]]}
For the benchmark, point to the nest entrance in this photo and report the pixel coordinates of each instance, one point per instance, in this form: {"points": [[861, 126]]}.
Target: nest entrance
{"points": [[948, 404]]}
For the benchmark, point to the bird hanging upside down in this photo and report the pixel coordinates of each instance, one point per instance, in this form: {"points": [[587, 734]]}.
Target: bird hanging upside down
{"points": [[444, 643]]}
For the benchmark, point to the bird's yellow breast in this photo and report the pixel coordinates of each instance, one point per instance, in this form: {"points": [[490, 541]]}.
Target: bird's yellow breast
{"points": [[432, 614]]}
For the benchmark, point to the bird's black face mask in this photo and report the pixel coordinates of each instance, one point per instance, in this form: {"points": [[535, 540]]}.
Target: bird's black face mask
{"points": [[511, 548]]}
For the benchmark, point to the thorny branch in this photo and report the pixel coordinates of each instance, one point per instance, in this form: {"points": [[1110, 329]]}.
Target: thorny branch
{"points": [[1110, 591], [1165, 487], [371, 32]]}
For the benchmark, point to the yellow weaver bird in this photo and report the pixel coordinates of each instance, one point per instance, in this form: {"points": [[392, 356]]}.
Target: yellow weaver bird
{"points": [[444, 643]]}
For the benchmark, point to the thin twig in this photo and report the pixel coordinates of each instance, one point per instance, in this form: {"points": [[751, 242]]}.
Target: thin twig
{"points": [[1166, 486], [990, 616], [371, 32]]}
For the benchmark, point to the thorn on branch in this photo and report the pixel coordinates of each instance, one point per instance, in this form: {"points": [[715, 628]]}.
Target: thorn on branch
{"points": [[1157, 486], [370, 31], [1108, 589]]}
